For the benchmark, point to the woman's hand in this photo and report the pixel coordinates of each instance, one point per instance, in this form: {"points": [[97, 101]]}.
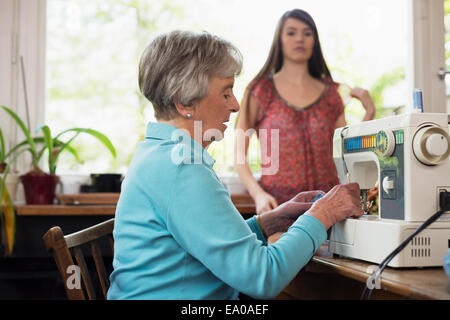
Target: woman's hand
{"points": [[364, 97], [282, 217], [264, 202], [341, 202]]}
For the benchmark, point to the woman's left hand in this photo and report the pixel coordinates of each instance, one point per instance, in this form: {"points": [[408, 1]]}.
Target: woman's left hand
{"points": [[360, 94], [367, 102], [283, 216]]}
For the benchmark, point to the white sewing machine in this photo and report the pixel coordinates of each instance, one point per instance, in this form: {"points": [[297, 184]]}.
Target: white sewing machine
{"points": [[408, 155]]}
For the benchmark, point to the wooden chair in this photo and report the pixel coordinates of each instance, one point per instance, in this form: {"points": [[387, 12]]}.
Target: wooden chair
{"points": [[63, 247]]}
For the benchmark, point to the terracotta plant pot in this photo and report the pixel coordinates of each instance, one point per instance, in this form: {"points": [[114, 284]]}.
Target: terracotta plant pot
{"points": [[39, 188]]}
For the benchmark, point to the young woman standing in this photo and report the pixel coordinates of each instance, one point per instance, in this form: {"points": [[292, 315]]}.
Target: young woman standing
{"points": [[295, 94]]}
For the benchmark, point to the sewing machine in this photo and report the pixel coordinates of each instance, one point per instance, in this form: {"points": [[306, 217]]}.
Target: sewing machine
{"points": [[408, 155]]}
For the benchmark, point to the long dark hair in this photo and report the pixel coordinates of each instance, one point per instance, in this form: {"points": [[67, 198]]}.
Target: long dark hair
{"points": [[317, 66]]}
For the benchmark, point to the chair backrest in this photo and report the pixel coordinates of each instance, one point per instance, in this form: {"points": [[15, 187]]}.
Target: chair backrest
{"points": [[64, 247]]}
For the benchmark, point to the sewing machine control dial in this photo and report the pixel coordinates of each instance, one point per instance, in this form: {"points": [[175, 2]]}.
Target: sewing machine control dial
{"points": [[436, 144], [431, 145], [385, 143]]}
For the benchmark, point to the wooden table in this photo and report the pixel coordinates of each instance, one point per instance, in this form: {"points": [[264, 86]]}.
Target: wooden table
{"points": [[324, 277], [65, 210], [243, 202], [330, 277]]}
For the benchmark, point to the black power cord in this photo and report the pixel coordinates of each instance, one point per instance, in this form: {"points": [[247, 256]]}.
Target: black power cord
{"points": [[377, 273]]}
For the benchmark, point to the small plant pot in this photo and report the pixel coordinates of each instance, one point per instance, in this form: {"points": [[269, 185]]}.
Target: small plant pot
{"points": [[107, 182], [71, 183], [39, 189]]}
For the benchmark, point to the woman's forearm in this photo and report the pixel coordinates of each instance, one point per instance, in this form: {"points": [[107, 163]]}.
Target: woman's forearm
{"points": [[366, 100], [370, 111], [369, 106], [243, 168], [247, 178]]}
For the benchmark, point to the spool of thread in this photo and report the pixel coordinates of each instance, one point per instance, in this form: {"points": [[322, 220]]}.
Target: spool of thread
{"points": [[417, 100], [317, 197]]}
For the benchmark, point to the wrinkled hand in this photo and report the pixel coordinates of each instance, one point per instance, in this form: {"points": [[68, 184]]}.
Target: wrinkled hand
{"points": [[341, 202], [283, 216], [264, 202]]}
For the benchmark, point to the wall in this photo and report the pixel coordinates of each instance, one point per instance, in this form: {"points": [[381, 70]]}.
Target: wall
{"points": [[427, 53], [22, 33]]}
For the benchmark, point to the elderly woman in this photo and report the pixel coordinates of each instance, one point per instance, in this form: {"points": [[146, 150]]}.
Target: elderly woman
{"points": [[177, 233]]}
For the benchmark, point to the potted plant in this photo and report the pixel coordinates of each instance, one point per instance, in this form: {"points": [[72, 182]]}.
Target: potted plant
{"points": [[8, 186], [39, 186]]}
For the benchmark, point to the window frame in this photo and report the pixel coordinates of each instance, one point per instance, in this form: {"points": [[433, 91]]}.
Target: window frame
{"points": [[22, 33], [426, 53]]}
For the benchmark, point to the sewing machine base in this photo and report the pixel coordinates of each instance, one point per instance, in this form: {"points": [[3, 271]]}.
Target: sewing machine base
{"points": [[372, 239]]}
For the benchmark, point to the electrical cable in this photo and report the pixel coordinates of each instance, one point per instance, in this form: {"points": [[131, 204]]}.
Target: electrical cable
{"points": [[385, 262]]}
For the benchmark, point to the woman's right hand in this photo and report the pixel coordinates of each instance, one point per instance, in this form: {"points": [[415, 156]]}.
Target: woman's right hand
{"points": [[264, 202], [341, 202]]}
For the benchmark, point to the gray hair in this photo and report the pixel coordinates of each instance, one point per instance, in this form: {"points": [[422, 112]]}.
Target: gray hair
{"points": [[177, 67]]}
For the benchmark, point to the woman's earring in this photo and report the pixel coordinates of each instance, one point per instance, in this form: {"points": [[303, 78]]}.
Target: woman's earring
{"points": [[188, 116]]}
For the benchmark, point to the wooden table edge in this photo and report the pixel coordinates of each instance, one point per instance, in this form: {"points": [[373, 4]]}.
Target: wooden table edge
{"points": [[385, 283]]}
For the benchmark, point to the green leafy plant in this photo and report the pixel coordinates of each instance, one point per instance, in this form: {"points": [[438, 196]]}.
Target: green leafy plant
{"points": [[7, 220], [2, 152], [38, 145], [55, 145], [5, 155], [7, 214]]}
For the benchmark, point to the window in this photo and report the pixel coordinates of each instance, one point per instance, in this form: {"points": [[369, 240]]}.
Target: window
{"points": [[93, 48]]}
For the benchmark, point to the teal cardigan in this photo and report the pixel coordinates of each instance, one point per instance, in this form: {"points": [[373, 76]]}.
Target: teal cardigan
{"points": [[178, 235]]}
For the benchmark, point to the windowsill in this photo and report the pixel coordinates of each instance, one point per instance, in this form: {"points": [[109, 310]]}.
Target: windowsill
{"points": [[234, 184]]}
